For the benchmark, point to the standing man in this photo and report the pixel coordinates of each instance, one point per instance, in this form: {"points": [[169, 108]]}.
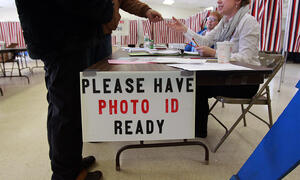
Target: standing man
{"points": [[131, 6], [61, 33]]}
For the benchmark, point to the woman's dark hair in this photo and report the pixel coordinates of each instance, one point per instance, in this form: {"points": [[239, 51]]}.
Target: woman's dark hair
{"points": [[244, 2]]}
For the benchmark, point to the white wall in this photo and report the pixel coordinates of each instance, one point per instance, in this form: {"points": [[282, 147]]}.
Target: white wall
{"points": [[166, 11], [8, 14]]}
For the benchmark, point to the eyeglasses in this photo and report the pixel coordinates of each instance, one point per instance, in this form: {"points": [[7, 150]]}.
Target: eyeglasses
{"points": [[211, 19]]}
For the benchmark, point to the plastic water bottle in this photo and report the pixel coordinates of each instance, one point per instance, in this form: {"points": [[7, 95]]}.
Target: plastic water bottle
{"points": [[2, 45], [146, 41]]}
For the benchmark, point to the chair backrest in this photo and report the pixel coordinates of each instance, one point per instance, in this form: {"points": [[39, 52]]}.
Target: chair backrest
{"points": [[271, 60]]}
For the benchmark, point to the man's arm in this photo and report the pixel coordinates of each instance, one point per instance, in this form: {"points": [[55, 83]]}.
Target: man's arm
{"points": [[140, 9]]}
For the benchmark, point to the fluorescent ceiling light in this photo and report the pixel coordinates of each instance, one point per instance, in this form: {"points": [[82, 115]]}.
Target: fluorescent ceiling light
{"points": [[168, 2]]}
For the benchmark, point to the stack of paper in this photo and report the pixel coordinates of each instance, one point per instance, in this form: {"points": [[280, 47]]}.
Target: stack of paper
{"points": [[210, 67], [159, 60], [129, 49], [164, 52]]}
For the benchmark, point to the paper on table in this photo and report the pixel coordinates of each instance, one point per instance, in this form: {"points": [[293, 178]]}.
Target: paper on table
{"points": [[210, 67], [128, 49], [131, 60], [191, 53], [115, 61], [139, 54], [164, 52], [159, 60], [178, 60]]}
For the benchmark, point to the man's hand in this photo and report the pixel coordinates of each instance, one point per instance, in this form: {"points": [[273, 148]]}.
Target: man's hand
{"points": [[153, 15], [206, 51], [177, 26]]}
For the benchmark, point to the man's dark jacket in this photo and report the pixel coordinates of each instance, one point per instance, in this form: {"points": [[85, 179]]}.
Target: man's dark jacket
{"points": [[61, 25]]}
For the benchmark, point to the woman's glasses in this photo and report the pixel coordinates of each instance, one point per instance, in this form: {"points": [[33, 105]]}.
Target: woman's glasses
{"points": [[211, 19]]}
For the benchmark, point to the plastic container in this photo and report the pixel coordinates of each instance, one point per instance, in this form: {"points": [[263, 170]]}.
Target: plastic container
{"points": [[2, 45], [224, 50]]}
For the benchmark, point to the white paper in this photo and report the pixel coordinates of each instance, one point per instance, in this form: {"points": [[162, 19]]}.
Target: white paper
{"points": [[129, 49], [179, 60], [191, 53], [210, 67], [162, 60], [164, 52]]}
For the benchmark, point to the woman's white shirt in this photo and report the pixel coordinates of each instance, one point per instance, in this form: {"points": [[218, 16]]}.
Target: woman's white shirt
{"points": [[245, 39]]}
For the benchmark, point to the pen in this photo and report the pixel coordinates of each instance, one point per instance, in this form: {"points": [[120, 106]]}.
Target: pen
{"points": [[190, 45], [195, 42]]}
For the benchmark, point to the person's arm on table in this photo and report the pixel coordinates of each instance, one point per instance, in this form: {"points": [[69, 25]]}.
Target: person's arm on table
{"points": [[206, 51]]}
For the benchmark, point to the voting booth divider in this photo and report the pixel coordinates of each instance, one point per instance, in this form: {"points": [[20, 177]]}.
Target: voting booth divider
{"points": [[278, 153]]}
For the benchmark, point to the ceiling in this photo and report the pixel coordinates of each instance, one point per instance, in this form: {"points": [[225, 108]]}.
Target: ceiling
{"points": [[187, 4], [7, 3]]}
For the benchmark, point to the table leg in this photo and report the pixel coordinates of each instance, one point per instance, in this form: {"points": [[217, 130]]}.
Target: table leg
{"points": [[3, 63], [142, 145]]}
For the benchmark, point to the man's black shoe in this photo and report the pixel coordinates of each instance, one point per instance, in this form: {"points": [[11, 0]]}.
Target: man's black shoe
{"points": [[85, 175], [87, 162], [96, 175]]}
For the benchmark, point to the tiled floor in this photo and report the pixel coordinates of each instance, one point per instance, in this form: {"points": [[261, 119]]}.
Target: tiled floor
{"points": [[24, 148]]}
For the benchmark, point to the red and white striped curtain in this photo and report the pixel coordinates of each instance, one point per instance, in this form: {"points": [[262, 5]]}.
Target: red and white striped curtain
{"points": [[113, 40], [11, 32], [292, 32], [133, 35], [197, 22], [162, 34], [147, 27], [269, 15]]}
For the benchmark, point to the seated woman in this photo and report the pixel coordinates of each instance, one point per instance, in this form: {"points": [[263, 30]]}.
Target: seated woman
{"points": [[236, 26], [211, 22]]}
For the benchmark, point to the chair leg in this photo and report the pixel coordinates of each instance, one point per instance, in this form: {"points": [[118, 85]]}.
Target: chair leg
{"points": [[270, 115], [21, 61], [20, 74], [12, 69], [223, 125], [25, 61], [269, 107], [244, 118], [231, 129], [223, 105], [215, 103], [1, 67], [1, 92]]}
